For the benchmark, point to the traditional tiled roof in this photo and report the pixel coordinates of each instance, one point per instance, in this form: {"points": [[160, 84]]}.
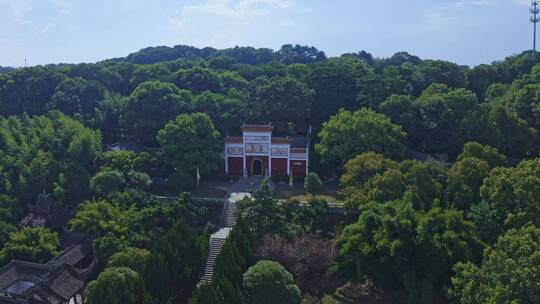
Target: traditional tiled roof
{"points": [[73, 254], [234, 139], [43, 205], [126, 146], [258, 128], [21, 271], [69, 238], [280, 140], [64, 282], [54, 282], [7, 300], [299, 142]]}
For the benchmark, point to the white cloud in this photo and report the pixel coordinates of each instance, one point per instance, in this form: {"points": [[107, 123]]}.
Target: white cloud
{"points": [[219, 22], [449, 11], [20, 9], [243, 11], [17, 8], [522, 2]]}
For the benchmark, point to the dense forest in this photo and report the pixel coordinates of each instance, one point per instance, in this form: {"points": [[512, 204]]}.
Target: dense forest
{"points": [[436, 167]]}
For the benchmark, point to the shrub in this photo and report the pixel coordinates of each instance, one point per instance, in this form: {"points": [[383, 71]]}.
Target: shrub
{"points": [[313, 183]]}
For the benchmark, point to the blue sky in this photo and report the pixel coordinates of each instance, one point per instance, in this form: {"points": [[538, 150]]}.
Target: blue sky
{"points": [[71, 31]]}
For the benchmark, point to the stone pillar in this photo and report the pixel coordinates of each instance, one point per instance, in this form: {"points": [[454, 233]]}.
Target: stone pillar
{"points": [[270, 165]]}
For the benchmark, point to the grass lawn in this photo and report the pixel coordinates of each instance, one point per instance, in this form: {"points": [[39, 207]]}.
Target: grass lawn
{"points": [[284, 191], [304, 198]]}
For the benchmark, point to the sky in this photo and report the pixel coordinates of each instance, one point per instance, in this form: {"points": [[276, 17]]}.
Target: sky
{"points": [[72, 31]]}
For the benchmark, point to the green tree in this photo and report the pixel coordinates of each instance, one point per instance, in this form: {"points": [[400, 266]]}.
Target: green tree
{"points": [[481, 77], [117, 285], [221, 62], [514, 193], [468, 173], [494, 125], [52, 153], [99, 218], [268, 282], [507, 274], [364, 167], [107, 181], [281, 101], [348, 134], [190, 142], [485, 153], [262, 213], [524, 102], [150, 72], [313, 183], [441, 111], [372, 177], [6, 230], [77, 95], [398, 247], [225, 111], [233, 260], [197, 80], [107, 245], [496, 91], [174, 264], [486, 221], [37, 245], [28, 90], [464, 181], [439, 71], [206, 294], [402, 111], [335, 82], [151, 105], [425, 182], [132, 258]]}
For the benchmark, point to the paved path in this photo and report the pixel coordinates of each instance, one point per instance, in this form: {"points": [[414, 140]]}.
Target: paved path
{"points": [[237, 192], [245, 185]]}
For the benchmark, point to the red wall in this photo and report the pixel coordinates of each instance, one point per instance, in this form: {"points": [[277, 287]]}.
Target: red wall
{"points": [[249, 162], [235, 166], [298, 167], [279, 167]]}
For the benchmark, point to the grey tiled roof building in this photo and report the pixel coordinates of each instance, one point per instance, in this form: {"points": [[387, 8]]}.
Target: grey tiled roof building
{"points": [[58, 281]]}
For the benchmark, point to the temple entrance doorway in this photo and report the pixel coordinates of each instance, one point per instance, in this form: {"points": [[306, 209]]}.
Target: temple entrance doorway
{"points": [[257, 167]]}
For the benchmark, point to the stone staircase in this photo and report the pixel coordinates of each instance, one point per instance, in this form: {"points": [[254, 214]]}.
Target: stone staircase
{"points": [[229, 214], [216, 243], [217, 240]]}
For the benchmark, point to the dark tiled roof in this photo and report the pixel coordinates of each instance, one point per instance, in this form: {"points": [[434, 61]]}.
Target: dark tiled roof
{"points": [[63, 282], [280, 140], [73, 254], [8, 300], [56, 282], [68, 239], [43, 205], [234, 139], [126, 146], [21, 271], [258, 128], [299, 142]]}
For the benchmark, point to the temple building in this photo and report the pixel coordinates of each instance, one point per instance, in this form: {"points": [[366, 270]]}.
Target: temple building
{"points": [[59, 281], [258, 153]]}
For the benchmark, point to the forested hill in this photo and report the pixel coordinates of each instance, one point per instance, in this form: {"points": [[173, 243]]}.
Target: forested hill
{"points": [[435, 167], [247, 55], [4, 70], [439, 104]]}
